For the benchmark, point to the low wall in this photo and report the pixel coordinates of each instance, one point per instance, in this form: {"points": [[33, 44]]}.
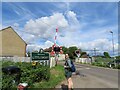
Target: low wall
{"points": [[16, 59], [25, 59], [21, 59], [61, 57]]}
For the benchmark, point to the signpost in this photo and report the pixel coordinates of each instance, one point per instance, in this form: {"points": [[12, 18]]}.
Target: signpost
{"points": [[77, 52], [42, 57]]}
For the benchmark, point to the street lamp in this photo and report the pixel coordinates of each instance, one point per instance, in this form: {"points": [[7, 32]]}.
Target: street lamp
{"points": [[112, 42]]}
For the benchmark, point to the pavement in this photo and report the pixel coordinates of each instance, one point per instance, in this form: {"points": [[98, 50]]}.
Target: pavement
{"points": [[88, 76]]}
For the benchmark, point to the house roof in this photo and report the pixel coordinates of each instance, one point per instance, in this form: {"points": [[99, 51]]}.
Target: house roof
{"points": [[14, 31]]}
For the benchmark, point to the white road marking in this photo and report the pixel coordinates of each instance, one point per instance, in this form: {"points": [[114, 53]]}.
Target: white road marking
{"points": [[87, 68]]}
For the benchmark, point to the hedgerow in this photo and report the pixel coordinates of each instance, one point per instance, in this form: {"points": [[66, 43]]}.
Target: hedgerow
{"points": [[29, 74]]}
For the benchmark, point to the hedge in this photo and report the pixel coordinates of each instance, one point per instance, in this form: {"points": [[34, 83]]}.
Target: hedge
{"points": [[29, 74]]}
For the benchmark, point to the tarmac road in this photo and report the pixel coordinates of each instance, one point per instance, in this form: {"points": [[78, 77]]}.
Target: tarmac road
{"points": [[88, 76]]}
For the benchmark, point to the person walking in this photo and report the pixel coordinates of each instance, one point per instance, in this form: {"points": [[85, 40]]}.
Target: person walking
{"points": [[68, 72]]}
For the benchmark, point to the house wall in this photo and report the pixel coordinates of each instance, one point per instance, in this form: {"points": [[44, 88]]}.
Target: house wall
{"points": [[0, 43], [12, 44]]}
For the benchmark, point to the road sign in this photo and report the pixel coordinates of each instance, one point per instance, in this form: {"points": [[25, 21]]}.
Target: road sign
{"points": [[77, 52], [40, 56]]}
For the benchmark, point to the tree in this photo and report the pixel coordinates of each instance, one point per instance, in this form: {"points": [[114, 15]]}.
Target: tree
{"points": [[28, 53], [72, 51], [106, 55], [84, 55], [65, 49], [118, 57]]}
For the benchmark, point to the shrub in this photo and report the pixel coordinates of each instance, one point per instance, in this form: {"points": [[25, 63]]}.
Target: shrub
{"points": [[29, 74], [118, 66], [93, 63], [7, 82]]}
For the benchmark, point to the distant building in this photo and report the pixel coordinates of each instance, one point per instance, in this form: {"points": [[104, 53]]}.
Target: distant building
{"points": [[11, 44]]}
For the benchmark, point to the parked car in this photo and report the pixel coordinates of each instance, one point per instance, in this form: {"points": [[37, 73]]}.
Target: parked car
{"points": [[113, 63], [110, 64]]}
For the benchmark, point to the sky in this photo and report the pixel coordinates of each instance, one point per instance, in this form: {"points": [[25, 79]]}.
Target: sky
{"points": [[86, 25]]}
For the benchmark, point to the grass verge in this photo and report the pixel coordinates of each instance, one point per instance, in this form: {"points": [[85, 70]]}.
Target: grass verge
{"points": [[57, 75]]}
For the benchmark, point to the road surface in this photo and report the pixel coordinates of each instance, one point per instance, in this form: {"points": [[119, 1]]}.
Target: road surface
{"points": [[88, 76]]}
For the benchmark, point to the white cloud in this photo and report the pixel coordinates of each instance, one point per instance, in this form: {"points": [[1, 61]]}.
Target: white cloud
{"points": [[30, 39], [44, 27], [73, 21], [33, 47], [48, 44], [101, 45], [69, 33], [72, 17], [16, 25]]}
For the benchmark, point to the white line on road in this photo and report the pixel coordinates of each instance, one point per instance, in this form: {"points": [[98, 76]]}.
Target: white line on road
{"points": [[87, 68]]}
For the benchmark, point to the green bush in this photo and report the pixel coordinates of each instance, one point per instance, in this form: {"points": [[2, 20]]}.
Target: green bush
{"points": [[118, 66], [93, 63], [29, 74], [7, 82], [100, 59], [100, 64], [104, 65]]}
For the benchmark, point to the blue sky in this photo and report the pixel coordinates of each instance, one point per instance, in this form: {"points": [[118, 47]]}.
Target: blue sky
{"points": [[83, 24]]}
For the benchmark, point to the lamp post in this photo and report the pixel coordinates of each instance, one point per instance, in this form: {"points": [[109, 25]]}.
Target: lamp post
{"points": [[112, 42], [113, 48]]}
